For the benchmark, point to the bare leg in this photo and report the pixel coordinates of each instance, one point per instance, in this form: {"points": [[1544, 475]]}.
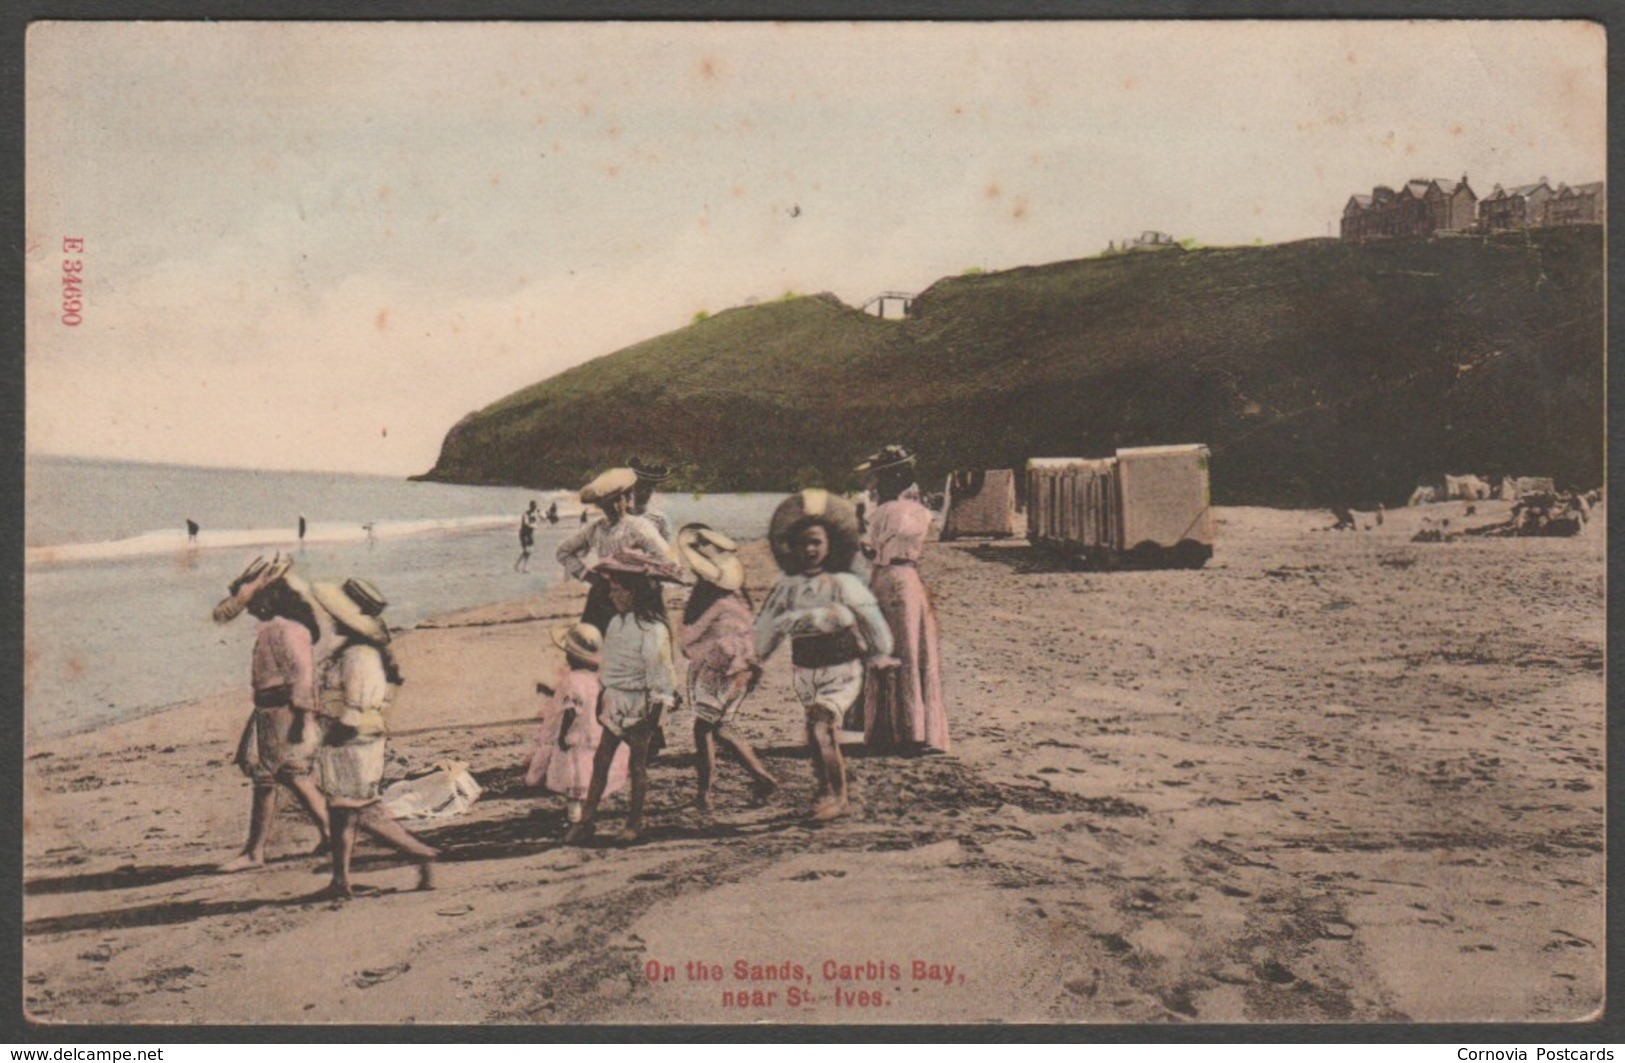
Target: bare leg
{"points": [[747, 756], [639, 738], [388, 830], [261, 813], [315, 804], [820, 769], [378, 823], [704, 761], [343, 827], [829, 752], [601, 760]]}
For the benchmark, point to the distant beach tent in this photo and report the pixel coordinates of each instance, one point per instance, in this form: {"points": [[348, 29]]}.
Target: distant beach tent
{"points": [[980, 503], [1147, 506]]}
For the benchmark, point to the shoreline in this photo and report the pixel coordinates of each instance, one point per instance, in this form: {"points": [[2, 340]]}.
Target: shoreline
{"points": [[1308, 783]]}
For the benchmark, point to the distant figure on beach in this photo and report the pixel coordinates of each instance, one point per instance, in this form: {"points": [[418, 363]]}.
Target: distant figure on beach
{"points": [[357, 682], [552, 513], [617, 530], [649, 477], [372, 538], [903, 707], [640, 683], [719, 641], [527, 536], [301, 531], [191, 530], [833, 624], [278, 744], [568, 739]]}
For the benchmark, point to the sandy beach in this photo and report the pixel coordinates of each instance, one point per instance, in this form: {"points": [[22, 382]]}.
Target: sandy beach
{"points": [[1333, 777]]}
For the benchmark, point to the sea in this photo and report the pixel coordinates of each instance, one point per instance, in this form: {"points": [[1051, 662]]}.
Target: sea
{"points": [[116, 599]]}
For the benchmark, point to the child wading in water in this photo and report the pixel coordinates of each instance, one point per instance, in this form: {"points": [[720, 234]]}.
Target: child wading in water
{"points": [[833, 624], [570, 732], [639, 681], [720, 646]]}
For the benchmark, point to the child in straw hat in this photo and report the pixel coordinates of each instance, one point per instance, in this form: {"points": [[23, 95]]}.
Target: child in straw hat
{"points": [[570, 733], [720, 645], [638, 677], [278, 745], [619, 529], [833, 624], [357, 684]]}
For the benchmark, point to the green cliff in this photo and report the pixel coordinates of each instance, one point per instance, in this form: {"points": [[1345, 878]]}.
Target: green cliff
{"points": [[1317, 371]]}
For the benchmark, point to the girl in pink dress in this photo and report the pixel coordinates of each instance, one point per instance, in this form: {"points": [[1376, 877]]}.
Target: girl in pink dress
{"points": [[719, 640], [903, 708], [568, 737]]}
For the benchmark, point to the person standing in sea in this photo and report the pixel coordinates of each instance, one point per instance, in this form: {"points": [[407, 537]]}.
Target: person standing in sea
{"points": [[278, 746], [649, 478], [618, 529], [527, 536], [903, 706]]}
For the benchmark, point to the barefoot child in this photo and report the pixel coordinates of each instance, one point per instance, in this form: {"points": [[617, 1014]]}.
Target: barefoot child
{"points": [[357, 685], [638, 677], [570, 732], [278, 744], [720, 645], [833, 624]]}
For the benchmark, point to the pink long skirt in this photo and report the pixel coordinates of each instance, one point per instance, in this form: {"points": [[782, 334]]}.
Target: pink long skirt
{"points": [[903, 706]]}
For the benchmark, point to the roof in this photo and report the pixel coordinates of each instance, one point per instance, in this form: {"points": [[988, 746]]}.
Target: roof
{"points": [[1070, 463], [1166, 450]]}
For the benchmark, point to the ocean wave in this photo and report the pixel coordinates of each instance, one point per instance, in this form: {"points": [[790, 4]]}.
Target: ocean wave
{"points": [[174, 541]]}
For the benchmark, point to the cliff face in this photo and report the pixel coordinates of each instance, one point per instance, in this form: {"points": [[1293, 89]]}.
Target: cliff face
{"points": [[1316, 371]]}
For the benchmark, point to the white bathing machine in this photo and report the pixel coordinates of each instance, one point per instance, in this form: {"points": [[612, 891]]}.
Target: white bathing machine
{"points": [[1144, 507]]}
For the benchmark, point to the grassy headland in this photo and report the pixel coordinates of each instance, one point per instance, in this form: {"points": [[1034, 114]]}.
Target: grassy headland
{"points": [[1317, 371]]}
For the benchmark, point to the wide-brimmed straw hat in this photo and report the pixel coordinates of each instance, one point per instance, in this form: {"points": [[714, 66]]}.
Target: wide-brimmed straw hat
{"points": [[634, 562], [356, 604], [580, 640], [814, 506], [712, 555], [606, 485], [255, 577], [889, 457], [649, 473]]}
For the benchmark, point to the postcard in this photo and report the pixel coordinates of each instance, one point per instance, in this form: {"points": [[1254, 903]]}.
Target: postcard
{"points": [[814, 523]]}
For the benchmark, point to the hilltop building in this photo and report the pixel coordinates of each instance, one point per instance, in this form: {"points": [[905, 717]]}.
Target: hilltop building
{"points": [[1585, 204], [1421, 206], [1520, 207]]}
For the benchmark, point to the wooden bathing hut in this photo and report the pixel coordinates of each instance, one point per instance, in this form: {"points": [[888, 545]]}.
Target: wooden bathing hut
{"points": [[1144, 507], [980, 503]]}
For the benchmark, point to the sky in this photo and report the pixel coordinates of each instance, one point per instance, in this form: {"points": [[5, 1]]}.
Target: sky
{"points": [[320, 245]]}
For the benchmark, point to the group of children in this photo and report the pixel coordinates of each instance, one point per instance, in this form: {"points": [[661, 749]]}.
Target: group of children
{"points": [[323, 673], [603, 721]]}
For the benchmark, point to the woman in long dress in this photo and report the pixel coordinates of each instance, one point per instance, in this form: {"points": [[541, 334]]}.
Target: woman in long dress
{"points": [[903, 707]]}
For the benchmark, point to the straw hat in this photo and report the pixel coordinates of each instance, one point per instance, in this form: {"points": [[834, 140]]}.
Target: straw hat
{"points": [[712, 555], [648, 473], [814, 506], [258, 575], [356, 604], [889, 457], [580, 640], [606, 485], [638, 563]]}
